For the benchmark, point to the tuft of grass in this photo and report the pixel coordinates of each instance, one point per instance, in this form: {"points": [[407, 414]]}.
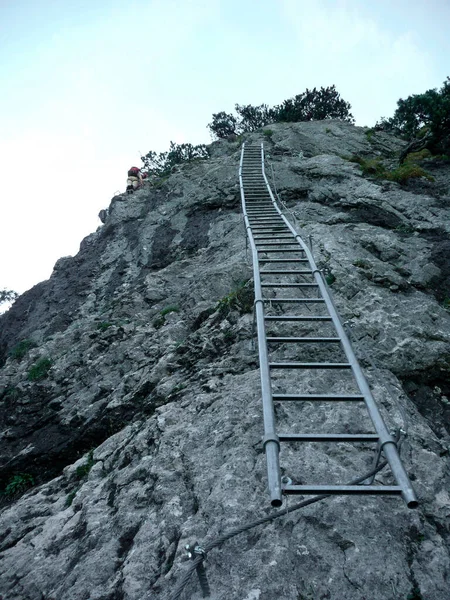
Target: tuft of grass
{"points": [[404, 229], [369, 134], [268, 132], [370, 166], [407, 171], [21, 349], [104, 325], [169, 309], [362, 264], [18, 484], [70, 498], [446, 303], [241, 299], [10, 393], [83, 470], [40, 369], [414, 157], [327, 130], [330, 278]]}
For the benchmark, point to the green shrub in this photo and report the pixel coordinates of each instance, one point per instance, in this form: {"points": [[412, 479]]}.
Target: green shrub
{"points": [[446, 303], [18, 484], [408, 170], [268, 132], [40, 369], [103, 326], [83, 470], [19, 351], [330, 278], [10, 393], [369, 134]]}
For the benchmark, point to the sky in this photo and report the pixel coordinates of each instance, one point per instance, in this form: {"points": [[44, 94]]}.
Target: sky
{"points": [[87, 87]]}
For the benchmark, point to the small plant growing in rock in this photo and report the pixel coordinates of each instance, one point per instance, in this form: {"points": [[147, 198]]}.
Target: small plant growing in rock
{"points": [[104, 325], [409, 170], [362, 264], [40, 369], [70, 498], [10, 393], [241, 298], [83, 470], [168, 309], [21, 349], [369, 134], [446, 303], [268, 133], [18, 484], [161, 318]]}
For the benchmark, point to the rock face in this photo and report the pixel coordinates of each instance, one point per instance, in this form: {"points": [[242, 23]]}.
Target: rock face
{"points": [[132, 424]]}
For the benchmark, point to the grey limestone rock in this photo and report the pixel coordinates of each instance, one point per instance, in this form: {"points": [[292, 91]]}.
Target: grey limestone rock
{"points": [[144, 434]]}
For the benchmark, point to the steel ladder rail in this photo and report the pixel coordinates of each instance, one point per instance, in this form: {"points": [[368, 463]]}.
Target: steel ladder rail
{"points": [[271, 440]]}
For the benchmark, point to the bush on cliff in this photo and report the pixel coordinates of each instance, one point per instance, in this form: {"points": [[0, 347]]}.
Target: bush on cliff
{"points": [[162, 163], [314, 104], [424, 118]]}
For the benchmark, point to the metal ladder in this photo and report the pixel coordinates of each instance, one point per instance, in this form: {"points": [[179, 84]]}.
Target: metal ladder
{"points": [[282, 262]]}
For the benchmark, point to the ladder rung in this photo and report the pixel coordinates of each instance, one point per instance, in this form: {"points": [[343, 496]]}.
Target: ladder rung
{"points": [[281, 244], [347, 490], [317, 397], [284, 272], [328, 437], [284, 285], [271, 237], [301, 365], [303, 340], [283, 260], [297, 318], [305, 300]]}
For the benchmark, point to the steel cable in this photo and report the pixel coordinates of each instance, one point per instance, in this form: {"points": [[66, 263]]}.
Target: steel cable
{"points": [[236, 531]]}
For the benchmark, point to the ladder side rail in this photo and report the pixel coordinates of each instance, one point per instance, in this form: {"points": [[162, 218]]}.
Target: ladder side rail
{"points": [[387, 442], [271, 442]]}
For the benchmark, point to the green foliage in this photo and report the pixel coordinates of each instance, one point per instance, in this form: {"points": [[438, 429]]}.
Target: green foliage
{"points": [[424, 115], [168, 309], [8, 295], [161, 164], [415, 594], [161, 318], [405, 229], [407, 171], [418, 156], [83, 470], [241, 299], [328, 130], [375, 168], [18, 484], [268, 132], [314, 105], [362, 264], [21, 349], [223, 125], [370, 166], [103, 326], [330, 278], [369, 134], [446, 303], [70, 498], [10, 393], [40, 369], [310, 105]]}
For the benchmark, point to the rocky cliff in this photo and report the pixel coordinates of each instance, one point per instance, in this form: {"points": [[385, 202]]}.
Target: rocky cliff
{"points": [[131, 416]]}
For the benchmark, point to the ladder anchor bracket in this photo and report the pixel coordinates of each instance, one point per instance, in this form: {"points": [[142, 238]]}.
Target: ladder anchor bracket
{"points": [[271, 437]]}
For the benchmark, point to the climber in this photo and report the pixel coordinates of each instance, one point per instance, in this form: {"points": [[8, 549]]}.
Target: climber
{"points": [[103, 215], [134, 180]]}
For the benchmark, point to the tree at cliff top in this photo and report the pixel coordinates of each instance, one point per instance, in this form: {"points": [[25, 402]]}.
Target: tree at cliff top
{"points": [[325, 103], [162, 164], [424, 116], [7, 296]]}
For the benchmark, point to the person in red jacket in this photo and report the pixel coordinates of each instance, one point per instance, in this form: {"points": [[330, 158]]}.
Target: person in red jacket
{"points": [[134, 180]]}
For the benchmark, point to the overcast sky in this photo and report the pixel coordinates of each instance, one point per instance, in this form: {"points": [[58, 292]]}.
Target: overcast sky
{"points": [[89, 85]]}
